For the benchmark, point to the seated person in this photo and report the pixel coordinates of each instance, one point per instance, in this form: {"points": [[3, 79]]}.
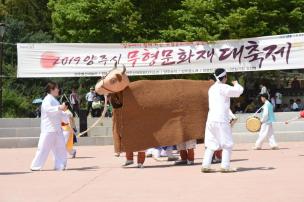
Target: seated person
{"points": [[299, 103], [251, 108], [293, 106]]}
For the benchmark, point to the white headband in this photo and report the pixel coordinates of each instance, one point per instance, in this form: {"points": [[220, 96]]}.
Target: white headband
{"points": [[221, 75]]}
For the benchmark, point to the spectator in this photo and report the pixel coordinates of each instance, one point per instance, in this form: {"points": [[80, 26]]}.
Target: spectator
{"points": [[295, 84], [263, 89], [89, 97], [251, 108], [299, 103], [278, 100], [286, 108], [38, 111], [96, 107], [238, 108], [273, 102], [293, 106], [75, 102]]}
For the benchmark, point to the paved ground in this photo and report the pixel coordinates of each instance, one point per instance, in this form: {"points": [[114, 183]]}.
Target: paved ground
{"points": [[265, 176]]}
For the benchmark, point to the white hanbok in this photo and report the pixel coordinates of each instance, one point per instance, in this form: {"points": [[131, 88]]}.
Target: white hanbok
{"points": [[266, 131], [218, 133], [51, 137]]}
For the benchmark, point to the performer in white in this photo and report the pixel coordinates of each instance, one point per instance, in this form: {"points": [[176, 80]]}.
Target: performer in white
{"points": [[266, 129], [218, 134], [51, 136]]}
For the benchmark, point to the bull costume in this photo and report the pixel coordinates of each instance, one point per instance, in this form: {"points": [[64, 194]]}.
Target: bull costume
{"points": [[154, 113], [51, 136], [218, 133], [266, 129]]}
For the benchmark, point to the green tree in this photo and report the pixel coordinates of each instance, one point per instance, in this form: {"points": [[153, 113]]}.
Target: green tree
{"points": [[94, 21], [218, 19], [34, 14]]}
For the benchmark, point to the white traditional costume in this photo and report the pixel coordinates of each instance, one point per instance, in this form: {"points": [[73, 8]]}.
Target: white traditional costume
{"points": [[51, 137], [218, 133], [158, 152], [266, 129]]}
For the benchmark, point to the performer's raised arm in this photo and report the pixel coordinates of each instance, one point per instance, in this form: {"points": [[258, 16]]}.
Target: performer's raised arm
{"points": [[232, 91]]}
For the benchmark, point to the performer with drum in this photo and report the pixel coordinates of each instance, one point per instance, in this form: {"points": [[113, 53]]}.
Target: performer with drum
{"points": [[267, 119], [218, 133]]}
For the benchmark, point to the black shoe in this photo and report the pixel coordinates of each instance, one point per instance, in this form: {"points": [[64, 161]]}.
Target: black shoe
{"points": [[128, 162], [180, 162]]}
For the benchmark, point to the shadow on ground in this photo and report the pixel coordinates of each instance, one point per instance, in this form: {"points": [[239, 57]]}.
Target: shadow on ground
{"points": [[85, 157], [243, 169], [89, 168], [161, 166], [14, 173], [236, 160], [273, 149]]}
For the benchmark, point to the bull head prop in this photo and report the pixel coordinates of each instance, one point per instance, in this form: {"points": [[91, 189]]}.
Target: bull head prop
{"points": [[115, 81]]}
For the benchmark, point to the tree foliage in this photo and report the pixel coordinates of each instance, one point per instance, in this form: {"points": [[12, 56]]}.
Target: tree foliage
{"points": [[116, 21]]}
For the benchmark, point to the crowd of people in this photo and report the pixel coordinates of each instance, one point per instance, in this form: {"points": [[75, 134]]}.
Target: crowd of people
{"points": [[275, 98]]}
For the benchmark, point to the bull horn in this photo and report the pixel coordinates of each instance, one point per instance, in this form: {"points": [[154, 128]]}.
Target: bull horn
{"points": [[123, 70]]}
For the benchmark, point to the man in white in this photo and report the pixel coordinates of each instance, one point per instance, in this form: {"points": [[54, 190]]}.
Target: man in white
{"points": [[51, 137], [218, 134], [75, 101], [267, 119], [90, 98], [278, 101]]}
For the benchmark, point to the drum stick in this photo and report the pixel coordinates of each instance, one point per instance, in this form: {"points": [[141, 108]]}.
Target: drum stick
{"points": [[254, 115], [293, 119]]}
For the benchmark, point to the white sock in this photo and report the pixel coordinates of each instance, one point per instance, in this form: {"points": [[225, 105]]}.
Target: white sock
{"points": [[226, 155], [207, 158]]}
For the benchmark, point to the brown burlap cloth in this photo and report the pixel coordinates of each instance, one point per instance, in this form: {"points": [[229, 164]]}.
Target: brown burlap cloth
{"points": [[160, 113]]}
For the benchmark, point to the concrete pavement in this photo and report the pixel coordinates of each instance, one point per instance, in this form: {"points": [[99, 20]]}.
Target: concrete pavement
{"points": [[96, 175]]}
